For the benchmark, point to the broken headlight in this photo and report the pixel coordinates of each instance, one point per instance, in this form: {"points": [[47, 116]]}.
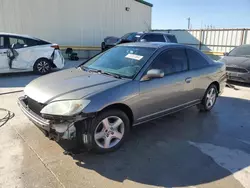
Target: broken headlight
{"points": [[65, 108]]}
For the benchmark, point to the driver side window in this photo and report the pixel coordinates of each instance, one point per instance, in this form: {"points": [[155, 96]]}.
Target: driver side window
{"points": [[171, 61]]}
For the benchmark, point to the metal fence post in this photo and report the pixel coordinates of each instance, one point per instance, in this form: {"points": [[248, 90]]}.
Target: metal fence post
{"points": [[242, 36], [201, 39]]}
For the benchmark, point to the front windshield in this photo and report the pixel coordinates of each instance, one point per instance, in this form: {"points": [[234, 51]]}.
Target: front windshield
{"points": [[241, 51], [131, 37], [125, 61]]}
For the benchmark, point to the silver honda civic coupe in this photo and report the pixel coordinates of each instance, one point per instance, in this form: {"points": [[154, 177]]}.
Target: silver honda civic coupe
{"points": [[98, 102]]}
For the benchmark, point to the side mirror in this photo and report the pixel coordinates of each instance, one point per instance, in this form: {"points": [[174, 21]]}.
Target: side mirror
{"points": [[225, 53], [143, 40], [153, 73]]}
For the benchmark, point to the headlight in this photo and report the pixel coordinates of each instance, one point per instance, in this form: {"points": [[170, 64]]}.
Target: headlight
{"points": [[65, 108]]}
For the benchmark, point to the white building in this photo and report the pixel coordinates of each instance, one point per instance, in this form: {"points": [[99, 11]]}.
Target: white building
{"points": [[74, 22]]}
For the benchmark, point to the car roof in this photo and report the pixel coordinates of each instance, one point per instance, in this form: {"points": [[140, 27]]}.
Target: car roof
{"points": [[150, 44], [246, 45], [148, 32], [18, 35]]}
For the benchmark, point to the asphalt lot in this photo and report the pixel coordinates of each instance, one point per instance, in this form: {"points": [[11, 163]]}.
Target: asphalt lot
{"points": [[186, 149]]}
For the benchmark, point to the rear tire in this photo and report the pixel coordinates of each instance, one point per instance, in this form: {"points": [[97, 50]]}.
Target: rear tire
{"points": [[42, 66], [209, 99]]}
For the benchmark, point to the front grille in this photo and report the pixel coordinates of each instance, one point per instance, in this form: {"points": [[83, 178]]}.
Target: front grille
{"points": [[236, 69], [235, 78], [34, 105]]}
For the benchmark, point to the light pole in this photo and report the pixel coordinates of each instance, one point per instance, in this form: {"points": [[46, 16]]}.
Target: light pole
{"points": [[189, 21]]}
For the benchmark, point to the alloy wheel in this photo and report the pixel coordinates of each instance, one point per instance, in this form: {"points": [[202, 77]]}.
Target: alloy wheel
{"points": [[43, 67], [211, 97], [109, 132]]}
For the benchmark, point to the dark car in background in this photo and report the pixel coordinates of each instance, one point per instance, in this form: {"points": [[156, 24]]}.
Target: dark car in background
{"points": [[110, 42], [238, 64]]}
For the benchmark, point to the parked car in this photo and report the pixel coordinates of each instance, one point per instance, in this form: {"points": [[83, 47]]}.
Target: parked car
{"points": [[21, 53], [99, 101], [238, 64], [110, 42]]}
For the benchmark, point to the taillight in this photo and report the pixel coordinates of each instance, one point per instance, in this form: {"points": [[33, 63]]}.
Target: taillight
{"points": [[56, 47]]}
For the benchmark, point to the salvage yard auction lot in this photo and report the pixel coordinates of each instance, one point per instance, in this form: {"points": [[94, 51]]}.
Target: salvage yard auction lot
{"points": [[186, 149]]}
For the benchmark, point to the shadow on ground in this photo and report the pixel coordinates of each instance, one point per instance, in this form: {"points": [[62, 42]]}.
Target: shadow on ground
{"points": [[159, 153]]}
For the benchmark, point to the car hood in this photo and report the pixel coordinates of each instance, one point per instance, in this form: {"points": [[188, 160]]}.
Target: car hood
{"points": [[69, 84], [243, 62]]}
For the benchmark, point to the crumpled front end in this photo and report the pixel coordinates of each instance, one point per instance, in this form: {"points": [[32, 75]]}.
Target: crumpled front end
{"points": [[55, 127]]}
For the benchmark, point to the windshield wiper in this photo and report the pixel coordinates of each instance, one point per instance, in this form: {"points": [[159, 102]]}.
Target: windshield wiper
{"points": [[84, 68], [102, 72], [111, 74], [90, 70]]}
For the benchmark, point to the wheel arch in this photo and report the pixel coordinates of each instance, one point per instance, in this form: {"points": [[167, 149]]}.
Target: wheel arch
{"points": [[123, 107], [216, 84], [45, 58]]}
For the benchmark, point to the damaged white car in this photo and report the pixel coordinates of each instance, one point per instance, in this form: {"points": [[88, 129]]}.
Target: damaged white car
{"points": [[21, 53]]}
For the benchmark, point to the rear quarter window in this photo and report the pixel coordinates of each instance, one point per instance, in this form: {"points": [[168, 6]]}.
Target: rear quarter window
{"points": [[22, 42], [33, 42], [154, 38], [171, 38], [196, 60]]}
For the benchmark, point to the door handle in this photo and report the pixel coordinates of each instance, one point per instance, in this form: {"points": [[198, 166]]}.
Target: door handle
{"points": [[188, 80], [3, 52]]}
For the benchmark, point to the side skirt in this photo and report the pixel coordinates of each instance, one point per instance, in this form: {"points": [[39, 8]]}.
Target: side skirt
{"points": [[168, 113]]}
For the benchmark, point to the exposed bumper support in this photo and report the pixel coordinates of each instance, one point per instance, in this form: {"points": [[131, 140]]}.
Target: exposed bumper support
{"points": [[36, 119], [60, 130]]}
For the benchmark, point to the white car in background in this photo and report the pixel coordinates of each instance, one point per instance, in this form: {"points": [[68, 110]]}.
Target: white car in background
{"points": [[22, 53]]}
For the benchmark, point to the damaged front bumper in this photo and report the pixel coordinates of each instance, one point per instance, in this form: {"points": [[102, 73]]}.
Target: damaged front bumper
{"points": [[238, 76], [57, 129]]}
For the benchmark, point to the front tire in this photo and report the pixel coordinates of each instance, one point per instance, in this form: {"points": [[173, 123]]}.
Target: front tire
{"points": [[108, 131], [209, 99], [42, 66]]}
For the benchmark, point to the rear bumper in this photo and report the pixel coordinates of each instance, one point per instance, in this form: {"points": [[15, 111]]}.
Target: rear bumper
{"points": [[239, 77], [58, 59], [222, 83], [63, 130]]}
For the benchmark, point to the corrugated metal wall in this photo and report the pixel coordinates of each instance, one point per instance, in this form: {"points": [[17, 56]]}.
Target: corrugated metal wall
{"points": [[216, 40], [74, 22]]}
